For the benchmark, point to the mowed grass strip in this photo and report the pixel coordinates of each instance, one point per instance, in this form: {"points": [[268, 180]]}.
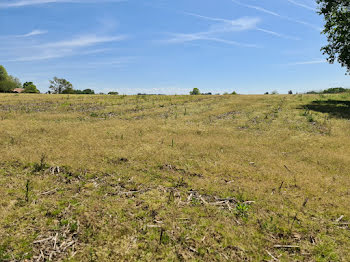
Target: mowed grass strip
{"points": [[176, 178]]}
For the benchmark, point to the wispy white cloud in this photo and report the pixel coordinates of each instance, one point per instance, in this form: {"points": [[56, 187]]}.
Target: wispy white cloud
{"points": [[311, 62], [30, 34], [33, 33], [60, 49], [183, 38], [269, 12], [83, 41], [22, 3], [224, 26], [302, 5], [241, 24]]}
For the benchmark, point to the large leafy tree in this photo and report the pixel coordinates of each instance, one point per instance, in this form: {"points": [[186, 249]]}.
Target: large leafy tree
{"points": [[29, 87], [3, 74], [7, 83], [61, 86], [337, 30]]}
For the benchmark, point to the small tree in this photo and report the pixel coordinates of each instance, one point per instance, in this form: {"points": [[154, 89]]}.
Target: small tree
{"points": [[274, 92], [234, 93], [266, 93], [113, 93], [195, 91], [61, 86], [29, 87], [290, 92]]}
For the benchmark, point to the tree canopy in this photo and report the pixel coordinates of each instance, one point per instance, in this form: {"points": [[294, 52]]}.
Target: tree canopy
{"points": [[3, 73], [337, 29], [195, 91], [60, 86], [7, 82], [29, 87]]}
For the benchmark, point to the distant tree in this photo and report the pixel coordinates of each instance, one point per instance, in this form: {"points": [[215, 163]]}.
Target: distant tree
{"points": [[3, 74], [266, 93], [290, 92], [195, 91], [85, 92], [29, 87], [15, 80], [68, 90], [88, 91], [61, 86], [312, 92], [234, 93], [335, 90], [274, 92], [337, 29], [113, 93]]}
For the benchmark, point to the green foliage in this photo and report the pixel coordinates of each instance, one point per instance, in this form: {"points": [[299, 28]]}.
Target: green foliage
{"points": [[7, 86], [234, 93], [3, 73], [85, 92], [15, 80], [113, 93], [68, 90], [290, 92], [336, 90], [337, 16], [61, 86], [8, 82], [195, 91], [242, 210], [29, 87]]}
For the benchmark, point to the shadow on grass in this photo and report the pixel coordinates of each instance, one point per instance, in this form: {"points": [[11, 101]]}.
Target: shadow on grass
{"points": [[335, 108]]}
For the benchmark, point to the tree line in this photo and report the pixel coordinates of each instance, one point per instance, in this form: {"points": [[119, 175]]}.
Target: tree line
{"points": [[9, 84]]}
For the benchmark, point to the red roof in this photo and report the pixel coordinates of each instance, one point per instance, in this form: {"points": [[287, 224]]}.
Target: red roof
{"points": [[18, 90]]}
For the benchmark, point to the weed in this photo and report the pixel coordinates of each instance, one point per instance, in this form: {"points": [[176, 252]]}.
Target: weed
{"points": [[241, 210]]}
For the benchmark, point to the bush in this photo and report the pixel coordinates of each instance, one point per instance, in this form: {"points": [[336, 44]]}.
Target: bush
{"points": [[113, 93]]}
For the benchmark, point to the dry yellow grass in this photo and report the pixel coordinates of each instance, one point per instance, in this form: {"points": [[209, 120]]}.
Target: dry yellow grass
{"points": [[176, 178]]}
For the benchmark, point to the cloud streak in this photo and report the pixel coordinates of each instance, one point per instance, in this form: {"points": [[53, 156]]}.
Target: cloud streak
{"points": [[33, 33], [311, 62], [302, 5], [272, 13], [23, 3], [242, 24], [72, 47], [225, 26]]}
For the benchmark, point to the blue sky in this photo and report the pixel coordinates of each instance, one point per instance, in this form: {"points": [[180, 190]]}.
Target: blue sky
{"points": [[168, 46]]}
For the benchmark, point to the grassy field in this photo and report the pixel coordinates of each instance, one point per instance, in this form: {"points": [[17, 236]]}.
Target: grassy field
{"points": [[175, 178]]}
